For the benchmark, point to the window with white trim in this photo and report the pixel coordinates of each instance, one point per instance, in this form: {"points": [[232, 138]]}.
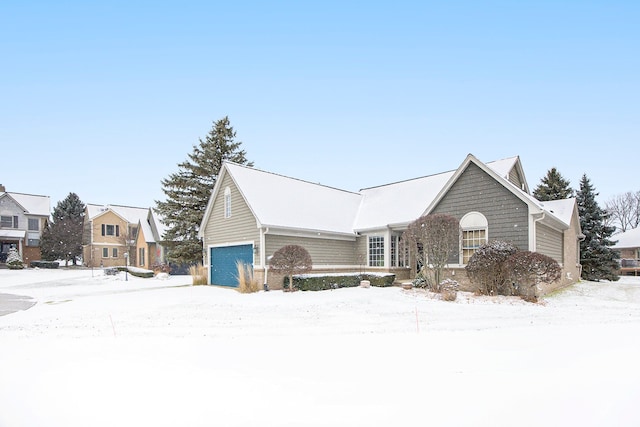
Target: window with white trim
{"points": [[114, 252], [105, 252], [475, 231], [141, 257], [111, 230], [34, 224], [9, 221], [376, 251], [227, 202]]}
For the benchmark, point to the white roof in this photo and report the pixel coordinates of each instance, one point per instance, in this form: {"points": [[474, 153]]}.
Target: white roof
{"points": [[283, 202], [628, 239], [279, 201], [34, 205], [130, 214], [13, 234]]}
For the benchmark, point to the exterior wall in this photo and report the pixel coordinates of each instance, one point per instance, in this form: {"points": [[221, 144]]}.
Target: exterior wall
{"points": [[515, 178], [550, 242], [324, 252], [94, 250], [141, 243], [240, 227], [475, 190], [29, 247], [628, 253]]}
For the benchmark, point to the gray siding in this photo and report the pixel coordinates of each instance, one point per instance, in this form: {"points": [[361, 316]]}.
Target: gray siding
{"points": [[475, 190], [240, 227], [515, 178], [322, 251], [549, 242]]}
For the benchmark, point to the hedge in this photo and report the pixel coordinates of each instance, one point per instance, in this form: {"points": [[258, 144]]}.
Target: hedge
{"points": [[138, 272], [44, 264], [322, 282]]}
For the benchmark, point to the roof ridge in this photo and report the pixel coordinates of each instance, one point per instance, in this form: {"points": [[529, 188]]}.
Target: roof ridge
{"points": [[291, 178], [407, 180], [25, 194]]}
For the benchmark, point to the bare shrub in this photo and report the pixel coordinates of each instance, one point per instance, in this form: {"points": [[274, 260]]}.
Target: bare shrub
{"points": [[198, 275], [247, 283], [528, 269], [486, 268], [290, 260], [449, 289]]}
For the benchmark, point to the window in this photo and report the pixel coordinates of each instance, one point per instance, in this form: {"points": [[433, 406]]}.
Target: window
{"points": [[398, 252], [376, 251], [105, 252], [34, 224], [110, 230], [474, 234], [114, 252], [33, 242], [141, 257], [227, 202], [9, 221], [394, 251]]}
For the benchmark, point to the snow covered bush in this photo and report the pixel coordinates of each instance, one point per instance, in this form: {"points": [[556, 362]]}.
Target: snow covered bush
{"points": [[528, 269], [14, 260], [449, 289], [324, 282], [486, 268]]}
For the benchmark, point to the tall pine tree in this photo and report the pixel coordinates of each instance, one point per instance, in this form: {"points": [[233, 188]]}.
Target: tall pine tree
{"points": [[62, 238], [599, 261], [553, 187], [188, 190]]}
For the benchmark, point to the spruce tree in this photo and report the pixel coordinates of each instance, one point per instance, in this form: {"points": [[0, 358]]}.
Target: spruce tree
{"points": [[553, 187], [62, 238], [188, 190], [599, 261]]}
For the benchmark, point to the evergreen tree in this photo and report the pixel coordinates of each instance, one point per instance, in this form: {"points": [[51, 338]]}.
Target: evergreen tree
{"points": [[553, 187], [188, 190], [62, 238], [598, 260]]}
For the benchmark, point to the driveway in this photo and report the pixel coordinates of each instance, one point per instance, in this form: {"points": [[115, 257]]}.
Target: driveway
{"points": [[10, 303]]}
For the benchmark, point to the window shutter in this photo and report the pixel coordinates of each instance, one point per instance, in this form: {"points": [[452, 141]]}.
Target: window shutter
{"points": [[117, 230], [15, 222], [103, 229]]}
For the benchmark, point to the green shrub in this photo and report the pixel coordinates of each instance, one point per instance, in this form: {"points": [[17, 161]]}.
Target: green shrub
{"points": [[486, 268], [321, 282], [44, 264], [14, 260]]}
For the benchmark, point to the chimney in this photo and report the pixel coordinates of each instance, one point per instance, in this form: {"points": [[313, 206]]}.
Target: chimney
{"points": [[2, 188]]}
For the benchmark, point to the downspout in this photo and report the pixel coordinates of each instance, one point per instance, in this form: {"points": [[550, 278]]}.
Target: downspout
{"points": [[535, 229]]}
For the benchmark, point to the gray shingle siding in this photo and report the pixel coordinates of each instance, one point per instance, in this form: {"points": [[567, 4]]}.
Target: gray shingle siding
{"points": [[475, 190]]}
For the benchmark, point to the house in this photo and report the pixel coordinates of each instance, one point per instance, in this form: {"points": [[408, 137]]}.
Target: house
{"points": [[23, 218], [149, 248], [628, 246], [109, 234], [253, 213]]}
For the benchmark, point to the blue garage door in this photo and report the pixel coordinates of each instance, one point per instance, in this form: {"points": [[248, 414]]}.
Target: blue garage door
{"points": [[223, 263]]}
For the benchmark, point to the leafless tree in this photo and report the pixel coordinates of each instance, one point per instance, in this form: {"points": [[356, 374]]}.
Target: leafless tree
{"points": [[433, 238], [623, 211], [290, 260]]}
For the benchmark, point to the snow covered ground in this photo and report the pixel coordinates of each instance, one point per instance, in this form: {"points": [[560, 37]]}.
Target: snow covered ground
{"points": [[101, 351]]}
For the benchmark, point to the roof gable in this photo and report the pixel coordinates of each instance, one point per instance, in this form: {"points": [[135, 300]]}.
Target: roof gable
{"points": [[129, 214], [30, 204]]}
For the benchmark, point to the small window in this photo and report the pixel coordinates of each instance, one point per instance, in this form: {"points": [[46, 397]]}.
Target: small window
{"points": [[376, 251], [6, 222], [141, 257], [105, 252], [227, 202], [33, 242], [115, 252], [110, 230], [34, 224]]}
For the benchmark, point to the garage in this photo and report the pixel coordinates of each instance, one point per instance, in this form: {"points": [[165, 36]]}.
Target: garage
{"points": [[223, 263]]}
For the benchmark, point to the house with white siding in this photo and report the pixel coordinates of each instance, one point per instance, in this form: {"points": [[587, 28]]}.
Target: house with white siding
{"points": [[252, 213]]}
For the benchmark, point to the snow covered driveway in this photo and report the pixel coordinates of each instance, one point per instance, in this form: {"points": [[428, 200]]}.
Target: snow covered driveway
{"points": [[98, 350]]}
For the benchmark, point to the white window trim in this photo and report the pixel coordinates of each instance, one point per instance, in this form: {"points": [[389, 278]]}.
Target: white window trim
{"points": [[227, 202], [472, 221], [384, 250]]}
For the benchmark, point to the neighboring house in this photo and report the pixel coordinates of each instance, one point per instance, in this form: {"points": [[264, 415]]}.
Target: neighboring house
{"points": [[23, 217], [149, 248], [253, 213], [110, 233], [628, 246]]}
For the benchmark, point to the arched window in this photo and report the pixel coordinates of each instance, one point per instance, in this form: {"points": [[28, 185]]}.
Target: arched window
{"points": [[475, 231], [227, 202]]}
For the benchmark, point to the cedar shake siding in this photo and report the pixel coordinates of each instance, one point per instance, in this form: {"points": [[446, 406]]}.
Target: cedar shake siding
{"points": [[240, 226], [476, 191], [324, 252]]}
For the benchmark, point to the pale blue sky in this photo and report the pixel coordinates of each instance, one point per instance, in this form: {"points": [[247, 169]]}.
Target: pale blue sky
{"points": [[104, 99]]}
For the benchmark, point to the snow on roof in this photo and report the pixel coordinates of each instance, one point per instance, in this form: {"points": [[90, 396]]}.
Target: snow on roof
{"points": [[503, 167], [33, 204], [280, 201], [389, 204], [561, 209], [145, 229], [157, 224], [628, 239], [131, 214]]}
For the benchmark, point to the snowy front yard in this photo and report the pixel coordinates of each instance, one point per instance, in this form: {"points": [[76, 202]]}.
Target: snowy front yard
{"points": [[98, 350]]}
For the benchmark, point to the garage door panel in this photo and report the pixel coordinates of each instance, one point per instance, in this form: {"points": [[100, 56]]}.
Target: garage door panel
{"points": [[223, 263]]}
